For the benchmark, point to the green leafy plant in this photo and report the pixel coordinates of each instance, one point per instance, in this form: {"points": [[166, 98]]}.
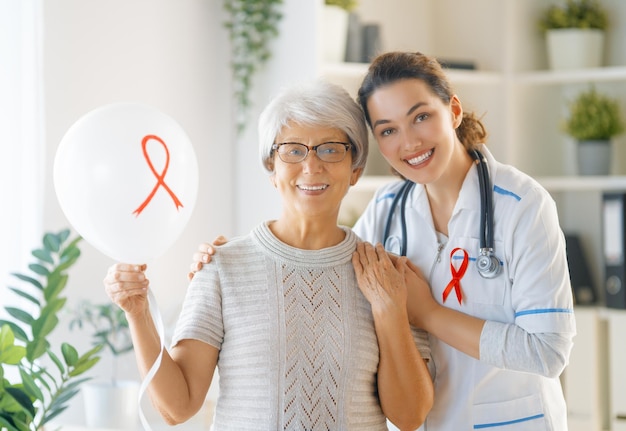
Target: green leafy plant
{"points": [[109, 325], [42, 391], [251, 24], [574, 14], [348, 5], [593, 116]]}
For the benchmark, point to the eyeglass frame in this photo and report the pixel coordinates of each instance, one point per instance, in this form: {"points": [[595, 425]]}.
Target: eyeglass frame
{"points": [[347, 145]]}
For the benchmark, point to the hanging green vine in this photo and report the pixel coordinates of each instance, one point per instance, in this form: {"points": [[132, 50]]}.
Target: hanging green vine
{"points": [[251, 25]]}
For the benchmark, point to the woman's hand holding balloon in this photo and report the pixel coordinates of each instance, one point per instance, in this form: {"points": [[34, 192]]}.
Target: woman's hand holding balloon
{"points": [[127, 286]]}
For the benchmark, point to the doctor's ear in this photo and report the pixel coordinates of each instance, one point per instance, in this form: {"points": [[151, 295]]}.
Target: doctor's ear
{"points": [[457, 111]]}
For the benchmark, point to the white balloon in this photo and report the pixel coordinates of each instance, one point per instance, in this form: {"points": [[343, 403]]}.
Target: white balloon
{"points": [[126, 177]]}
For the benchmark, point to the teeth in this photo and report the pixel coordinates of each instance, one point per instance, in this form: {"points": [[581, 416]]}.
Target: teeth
{"points": [[417, 160], [312, 188]]}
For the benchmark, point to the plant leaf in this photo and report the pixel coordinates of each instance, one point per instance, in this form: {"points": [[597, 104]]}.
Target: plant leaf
{"points": [[51, 242], [25, 295], [36, 348], [70, 355], [39, 269], [43, 255], [28, 279], [52, 414], [56, 361], [84, 366], [30, 386], [45, 324], [17, 331], [20, 315]]}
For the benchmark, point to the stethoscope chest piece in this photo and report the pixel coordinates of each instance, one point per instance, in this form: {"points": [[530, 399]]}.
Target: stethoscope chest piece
{"points": [[487, 263]]}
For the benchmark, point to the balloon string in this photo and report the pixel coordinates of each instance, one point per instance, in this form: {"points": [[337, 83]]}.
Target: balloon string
{"points": [[158, 320]]}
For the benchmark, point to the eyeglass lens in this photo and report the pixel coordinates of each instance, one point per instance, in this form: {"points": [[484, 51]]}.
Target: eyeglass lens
{"points": [[332, 152]]}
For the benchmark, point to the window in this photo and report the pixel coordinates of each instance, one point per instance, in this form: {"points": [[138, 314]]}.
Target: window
{"points": [[22, 149]]}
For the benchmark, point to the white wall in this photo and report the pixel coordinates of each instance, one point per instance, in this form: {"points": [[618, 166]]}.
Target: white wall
{"points": [[168, 54], [172, 55]]}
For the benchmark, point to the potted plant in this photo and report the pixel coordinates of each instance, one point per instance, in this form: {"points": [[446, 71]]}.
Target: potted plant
{"points": [[109, 403], [574, 34], [335, 17], [593, 120], [251, 25], [45, 380]]}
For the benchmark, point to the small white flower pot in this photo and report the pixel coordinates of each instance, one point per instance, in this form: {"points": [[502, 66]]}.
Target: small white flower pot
{"points": [[112, 406], [573, 48], [335, 33]]}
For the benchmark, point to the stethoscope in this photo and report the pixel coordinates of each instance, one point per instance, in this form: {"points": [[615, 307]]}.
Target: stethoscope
{"points": [[487, 263]]}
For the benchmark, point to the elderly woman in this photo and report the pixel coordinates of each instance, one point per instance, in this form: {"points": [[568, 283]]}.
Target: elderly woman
{"points": [[299, 344]]}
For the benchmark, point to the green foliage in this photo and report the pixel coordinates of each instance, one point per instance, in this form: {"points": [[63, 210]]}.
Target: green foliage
{"points": [[109, 325], [593, 116], [251, 24], [348, 5], [43, 391], [574, 14]]}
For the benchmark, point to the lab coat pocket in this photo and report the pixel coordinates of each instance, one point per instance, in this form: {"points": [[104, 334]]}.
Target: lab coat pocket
{"points": [[478, 290], [522, 414]]}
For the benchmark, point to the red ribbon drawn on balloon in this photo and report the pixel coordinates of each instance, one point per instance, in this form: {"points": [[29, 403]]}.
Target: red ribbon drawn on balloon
{"points": [[457, 275], [160, 177]]}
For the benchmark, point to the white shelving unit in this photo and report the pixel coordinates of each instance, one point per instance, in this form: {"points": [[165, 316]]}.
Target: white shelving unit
{"points": [[523, 105]]}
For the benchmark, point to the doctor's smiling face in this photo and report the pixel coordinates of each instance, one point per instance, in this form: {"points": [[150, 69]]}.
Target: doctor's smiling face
{"points": [[313, 184], [416, 130]]}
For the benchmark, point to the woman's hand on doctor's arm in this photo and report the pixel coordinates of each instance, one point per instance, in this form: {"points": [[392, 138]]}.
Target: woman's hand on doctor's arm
{"points": [[203, 255], [127, 287], [420, 301]]}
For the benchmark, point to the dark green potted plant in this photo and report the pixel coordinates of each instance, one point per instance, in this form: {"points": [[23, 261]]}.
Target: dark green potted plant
{"points": [[574, 33], [42, 391], [593, 120]]}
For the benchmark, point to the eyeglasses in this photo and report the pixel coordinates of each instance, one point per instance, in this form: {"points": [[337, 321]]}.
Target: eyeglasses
{"points": [[331, 152]]}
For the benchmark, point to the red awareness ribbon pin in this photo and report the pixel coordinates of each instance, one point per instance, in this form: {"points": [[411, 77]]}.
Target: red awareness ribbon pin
{"points": [[160, 177], [457, 275]]}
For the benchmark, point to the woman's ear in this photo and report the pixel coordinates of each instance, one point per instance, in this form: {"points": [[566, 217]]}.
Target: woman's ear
{"points": [[273, 179], [457, 110], [356, 174]]}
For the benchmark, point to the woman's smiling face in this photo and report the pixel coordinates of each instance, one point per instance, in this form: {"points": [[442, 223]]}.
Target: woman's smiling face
{"points": [[313, 187], [415, 129]]}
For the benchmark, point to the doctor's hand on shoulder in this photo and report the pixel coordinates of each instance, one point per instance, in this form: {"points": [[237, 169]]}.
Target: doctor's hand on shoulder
{"points": [[203, 255]]}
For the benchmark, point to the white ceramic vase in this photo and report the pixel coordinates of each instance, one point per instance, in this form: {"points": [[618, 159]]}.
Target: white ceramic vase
{"points": [[335, 33], [573, 48], [112, 406]]}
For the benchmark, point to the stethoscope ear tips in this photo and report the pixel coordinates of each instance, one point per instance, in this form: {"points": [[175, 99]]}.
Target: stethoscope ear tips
{"points": [[488, 265]]}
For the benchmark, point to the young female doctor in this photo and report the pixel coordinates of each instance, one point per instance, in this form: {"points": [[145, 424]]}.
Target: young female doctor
{"points": [[490, 281]]}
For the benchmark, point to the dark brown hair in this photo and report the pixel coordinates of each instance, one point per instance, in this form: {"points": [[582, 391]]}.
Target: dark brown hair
{"points": [[394, 66]]}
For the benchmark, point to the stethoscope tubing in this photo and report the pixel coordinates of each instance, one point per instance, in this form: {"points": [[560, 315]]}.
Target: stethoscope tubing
{"points": [[486, 238]]}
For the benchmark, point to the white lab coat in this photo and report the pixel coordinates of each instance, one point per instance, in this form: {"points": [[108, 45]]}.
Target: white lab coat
{"points": [[532, 291]]}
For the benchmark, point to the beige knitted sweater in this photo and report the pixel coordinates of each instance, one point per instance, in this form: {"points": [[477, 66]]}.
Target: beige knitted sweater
{"points": [[298, 348]]}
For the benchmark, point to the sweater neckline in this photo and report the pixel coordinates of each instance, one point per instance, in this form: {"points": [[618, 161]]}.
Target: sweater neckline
{"points": [[337, 254]]}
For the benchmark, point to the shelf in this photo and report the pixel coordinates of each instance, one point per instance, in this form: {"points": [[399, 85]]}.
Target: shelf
{"points": [[458, 76], [552, 77], [554, 184], [583, 183]]}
